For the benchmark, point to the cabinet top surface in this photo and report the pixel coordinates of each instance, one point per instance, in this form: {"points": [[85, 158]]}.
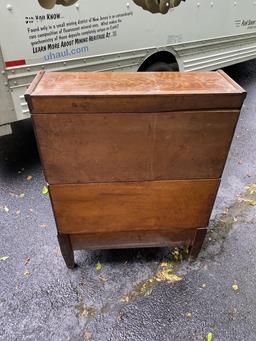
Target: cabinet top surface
{"points": [[131, 83]]}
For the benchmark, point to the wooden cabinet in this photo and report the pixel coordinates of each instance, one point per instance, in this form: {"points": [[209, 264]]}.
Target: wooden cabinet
{"points": [[133, 159]]}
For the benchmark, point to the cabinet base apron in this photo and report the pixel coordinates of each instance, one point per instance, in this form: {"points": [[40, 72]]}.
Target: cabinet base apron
{"points": [[192, 238]]}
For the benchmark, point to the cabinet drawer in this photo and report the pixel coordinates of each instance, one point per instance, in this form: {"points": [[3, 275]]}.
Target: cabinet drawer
{"points": [[81, 148], [133, 206]]}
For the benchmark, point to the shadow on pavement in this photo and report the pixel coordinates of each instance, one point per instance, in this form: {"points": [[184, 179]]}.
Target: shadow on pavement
{"points": [[128, 256], [242, 73], [18, 150]]}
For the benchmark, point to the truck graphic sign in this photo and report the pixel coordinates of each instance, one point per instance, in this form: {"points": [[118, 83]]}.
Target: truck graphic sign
{"points": [[153, 6]]}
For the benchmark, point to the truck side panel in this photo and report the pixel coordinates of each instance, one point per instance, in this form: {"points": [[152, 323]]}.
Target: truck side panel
{"points": [[7, 112], [97, 35]]}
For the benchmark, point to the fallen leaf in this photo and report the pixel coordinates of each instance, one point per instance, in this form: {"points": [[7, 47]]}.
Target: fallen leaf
{"points": [[170, 265], [103, 279], [146, 287], [87, 335], [209, 336], [233, 314], [251, 189], [86, 311], [189, 315], [235, 287], [249, 201], [22, 195], [29, 178], [98, 266], [187, 250], [3, 258], [45, 190], [27, 260], [26, 273], [167, 276], [125, 299], [200, 337], [120, 317], [176, 254], [13, 194]]}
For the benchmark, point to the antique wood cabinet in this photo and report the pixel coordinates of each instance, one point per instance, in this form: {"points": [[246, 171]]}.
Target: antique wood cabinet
{"points": [[133, 159]]}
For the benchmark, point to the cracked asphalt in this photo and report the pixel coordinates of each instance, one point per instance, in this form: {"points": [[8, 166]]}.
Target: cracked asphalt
{"points": [[40, 299]]}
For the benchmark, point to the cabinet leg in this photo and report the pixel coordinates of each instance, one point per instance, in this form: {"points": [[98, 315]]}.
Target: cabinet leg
{"points": [[66, 250], [197, 243]]}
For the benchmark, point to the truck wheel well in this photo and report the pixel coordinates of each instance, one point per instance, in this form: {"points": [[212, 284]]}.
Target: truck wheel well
{"points": [[162, 56]]}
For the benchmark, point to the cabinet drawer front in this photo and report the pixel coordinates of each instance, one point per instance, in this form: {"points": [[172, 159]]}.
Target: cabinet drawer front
{"points": [[134, 147], [129, 206]]}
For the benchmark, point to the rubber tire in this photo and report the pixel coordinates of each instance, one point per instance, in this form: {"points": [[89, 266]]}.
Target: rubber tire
{"points": [[164, 6], [162, 66]]}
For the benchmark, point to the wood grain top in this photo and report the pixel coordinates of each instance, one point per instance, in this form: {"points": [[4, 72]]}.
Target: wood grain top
{"points": [[140, 92], [131, 83]]}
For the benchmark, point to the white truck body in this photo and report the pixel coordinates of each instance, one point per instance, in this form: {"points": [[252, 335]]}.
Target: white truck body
{"points": [[97, 35]]}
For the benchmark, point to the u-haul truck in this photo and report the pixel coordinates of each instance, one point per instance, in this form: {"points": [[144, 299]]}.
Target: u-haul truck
{"points": [[117, 35]]}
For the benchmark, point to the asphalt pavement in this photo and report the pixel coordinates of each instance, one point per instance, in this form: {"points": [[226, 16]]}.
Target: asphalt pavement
{"points": [[40, 299]]}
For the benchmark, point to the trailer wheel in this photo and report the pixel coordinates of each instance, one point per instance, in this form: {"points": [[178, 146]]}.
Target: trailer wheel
{"points": [[162, 66], [164, 6]]}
